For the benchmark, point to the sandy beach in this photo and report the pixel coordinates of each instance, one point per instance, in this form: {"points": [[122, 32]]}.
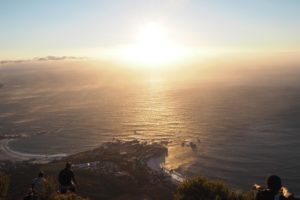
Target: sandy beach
{"points": [[6, 153]]}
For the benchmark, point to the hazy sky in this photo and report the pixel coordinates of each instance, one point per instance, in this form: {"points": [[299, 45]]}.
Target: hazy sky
{"points": [[32, 28]]}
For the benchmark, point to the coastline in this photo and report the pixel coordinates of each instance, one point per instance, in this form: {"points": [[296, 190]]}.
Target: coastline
{"points": [[155, 162], [8, 154]]}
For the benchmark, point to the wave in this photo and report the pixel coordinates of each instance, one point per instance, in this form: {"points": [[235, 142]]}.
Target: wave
{"points": [[21, 156]]}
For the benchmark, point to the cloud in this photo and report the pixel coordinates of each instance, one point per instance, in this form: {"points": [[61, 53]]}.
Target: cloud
{"points": [[47, 58], [2, 62], [58, 58]]}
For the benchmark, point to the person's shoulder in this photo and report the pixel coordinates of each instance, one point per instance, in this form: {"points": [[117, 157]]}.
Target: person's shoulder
{"points": [[284, 198], [61, 172], [71, 172], [34, 180]]}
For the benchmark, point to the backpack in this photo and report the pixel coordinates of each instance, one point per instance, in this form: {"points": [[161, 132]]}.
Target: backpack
{"points": [[65, 177]]}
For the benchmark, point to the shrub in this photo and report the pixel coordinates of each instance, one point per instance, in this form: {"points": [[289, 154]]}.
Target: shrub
{"points": [[4, 182], [69, 196], [49, 188], [201, 188]]}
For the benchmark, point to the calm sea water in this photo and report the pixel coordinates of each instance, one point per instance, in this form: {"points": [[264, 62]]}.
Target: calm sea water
{"points": [[242, 133]]}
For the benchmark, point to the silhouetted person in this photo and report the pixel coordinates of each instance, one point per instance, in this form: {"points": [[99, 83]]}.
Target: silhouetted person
{"points": [[67, 179], [275, 191], [38, 185]]}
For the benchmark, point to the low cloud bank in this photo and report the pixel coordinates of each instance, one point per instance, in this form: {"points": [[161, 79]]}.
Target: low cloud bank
{"points": [[47, 58]]}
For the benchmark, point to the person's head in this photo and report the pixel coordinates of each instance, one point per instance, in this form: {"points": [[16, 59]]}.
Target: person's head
{"points": [[41, 174], [274, 183], [68, 165]]}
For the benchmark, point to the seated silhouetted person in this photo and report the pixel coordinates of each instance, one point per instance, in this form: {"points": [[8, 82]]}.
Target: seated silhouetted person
{"points": [[67, 179], [275, 191], [38, 185]]}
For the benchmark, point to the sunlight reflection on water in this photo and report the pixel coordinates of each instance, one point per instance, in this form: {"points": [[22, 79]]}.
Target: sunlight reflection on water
{"points": [[240, 134]]}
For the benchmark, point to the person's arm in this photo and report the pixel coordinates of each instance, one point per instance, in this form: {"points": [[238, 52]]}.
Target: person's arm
{"points": [[73, 179], [58, 177], [33, 183]]}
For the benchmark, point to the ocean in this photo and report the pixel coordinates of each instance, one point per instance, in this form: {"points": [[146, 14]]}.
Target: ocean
{"points": [[240, 133]]}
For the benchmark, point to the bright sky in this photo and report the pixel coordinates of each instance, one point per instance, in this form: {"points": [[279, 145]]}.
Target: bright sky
{"points": [[96, 28]]}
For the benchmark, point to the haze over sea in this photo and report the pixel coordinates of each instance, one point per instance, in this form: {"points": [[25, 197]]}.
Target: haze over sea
{"points": [[243, 131]]}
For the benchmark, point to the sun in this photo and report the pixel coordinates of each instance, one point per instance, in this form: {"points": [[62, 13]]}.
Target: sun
{"points": [[152, 36], [152, 44], [152, 47]]}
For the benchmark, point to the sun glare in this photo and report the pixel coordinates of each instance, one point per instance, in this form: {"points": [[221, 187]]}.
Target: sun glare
{"points": [[152, 48], [152, 35]]}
